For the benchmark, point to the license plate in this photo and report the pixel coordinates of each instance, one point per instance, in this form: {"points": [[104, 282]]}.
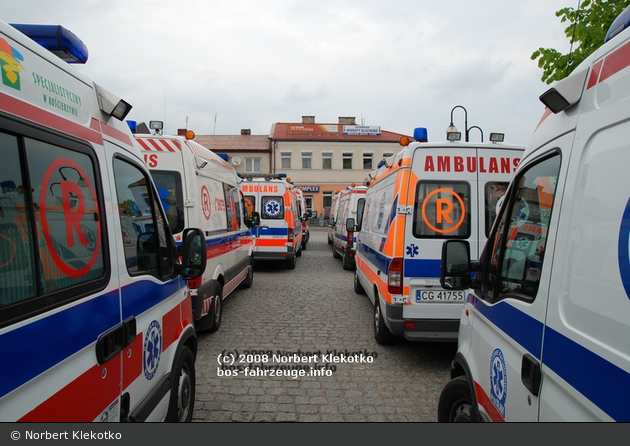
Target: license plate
{"points": [[441, 296]]}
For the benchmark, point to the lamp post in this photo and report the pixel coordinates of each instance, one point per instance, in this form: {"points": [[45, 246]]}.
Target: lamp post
{"points": [[451, 132]]}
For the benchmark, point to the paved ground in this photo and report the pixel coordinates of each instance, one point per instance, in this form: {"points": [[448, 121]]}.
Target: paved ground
{"points": [[312, 311]]}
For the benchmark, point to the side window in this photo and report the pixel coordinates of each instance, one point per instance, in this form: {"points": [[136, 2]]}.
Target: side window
{"points": [[360, 208], [169, 187], [517, 256], [442, 210], [232, 207], [493, 193], [272, 207], [52, 226], [148, 251], [249, 202]]}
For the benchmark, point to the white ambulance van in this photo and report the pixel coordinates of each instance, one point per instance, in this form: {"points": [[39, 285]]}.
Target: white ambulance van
{"points": [[425, 194], [95, 318], [304, 215], [331, 219], [200, 189], [544, 335], [350, 206], [272, 201]]}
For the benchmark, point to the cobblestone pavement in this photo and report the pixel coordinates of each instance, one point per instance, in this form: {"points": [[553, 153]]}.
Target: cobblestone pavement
{"points": [[313, 309]]}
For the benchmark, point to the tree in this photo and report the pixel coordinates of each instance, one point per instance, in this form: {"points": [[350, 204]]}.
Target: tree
{"points": [[588, 25]]}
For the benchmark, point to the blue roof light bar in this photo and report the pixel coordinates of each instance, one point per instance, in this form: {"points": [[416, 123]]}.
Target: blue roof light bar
{"points": [[58, 40]]}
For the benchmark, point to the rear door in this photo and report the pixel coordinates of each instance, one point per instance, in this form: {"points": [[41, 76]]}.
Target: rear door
{"points": [[443, 190]]}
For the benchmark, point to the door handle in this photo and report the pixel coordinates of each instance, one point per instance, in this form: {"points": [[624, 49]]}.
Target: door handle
{"points": [[531, 374], [110, 343]]}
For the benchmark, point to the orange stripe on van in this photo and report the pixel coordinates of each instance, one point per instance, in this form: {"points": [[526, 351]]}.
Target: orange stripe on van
{"points": [[271, 242], [401, 189]]}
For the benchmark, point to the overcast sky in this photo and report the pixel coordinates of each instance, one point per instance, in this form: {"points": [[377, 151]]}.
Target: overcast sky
{"points": [[226, 65]]}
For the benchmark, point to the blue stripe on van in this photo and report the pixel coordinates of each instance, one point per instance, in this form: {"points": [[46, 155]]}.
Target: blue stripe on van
{"points": [[374, 257], [273, 231], [30, 350], [521, 327], [141, 296], [422, 268], [602, 382]]}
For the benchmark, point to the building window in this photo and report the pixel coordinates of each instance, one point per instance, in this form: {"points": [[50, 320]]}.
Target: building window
{"points": [[387, 155], [285, 160], [252, 165], [347, 160], [327, 160], [307, 160], [368, 161]]}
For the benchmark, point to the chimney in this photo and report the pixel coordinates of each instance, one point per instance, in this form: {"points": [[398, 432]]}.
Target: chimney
{"points": [[181, 132], [308, 119], [347, 120], [246, 131]]}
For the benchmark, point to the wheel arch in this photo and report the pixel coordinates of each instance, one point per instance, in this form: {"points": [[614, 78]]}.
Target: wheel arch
{"points": [[460, 367]]}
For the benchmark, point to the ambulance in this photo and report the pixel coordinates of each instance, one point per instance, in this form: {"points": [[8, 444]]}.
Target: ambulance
{"points": [[350, 206], [200, 189], [95, 318], [331, 220], [544, 335], [304, 215], [271, 200], [415, 200]]}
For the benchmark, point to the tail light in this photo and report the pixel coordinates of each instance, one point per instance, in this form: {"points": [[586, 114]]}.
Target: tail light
{"points": [[350, 242], [195, 283], [395, 276]]}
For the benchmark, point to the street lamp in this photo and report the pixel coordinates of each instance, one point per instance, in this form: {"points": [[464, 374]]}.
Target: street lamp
{"points": [[452, 134]]}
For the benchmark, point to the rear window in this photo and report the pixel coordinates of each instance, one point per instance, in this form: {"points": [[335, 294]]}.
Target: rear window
{"points": [[272, 208], [442, 210]]}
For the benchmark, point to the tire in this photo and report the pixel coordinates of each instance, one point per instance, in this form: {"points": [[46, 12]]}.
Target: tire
{"points": [[291, 262], [455, 404], [358, 288], [216, 312], [247, 283], [182, 400], [381, 332]]}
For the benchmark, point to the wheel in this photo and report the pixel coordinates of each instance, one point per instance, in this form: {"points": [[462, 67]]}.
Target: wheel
{"points": [[182, 400], [247, 283], [291, 261], [358, 288], [455, 402], [381, 332], [216, 312]]}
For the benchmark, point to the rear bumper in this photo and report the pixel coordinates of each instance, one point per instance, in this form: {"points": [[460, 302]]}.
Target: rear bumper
{"points": [[427, 330]]}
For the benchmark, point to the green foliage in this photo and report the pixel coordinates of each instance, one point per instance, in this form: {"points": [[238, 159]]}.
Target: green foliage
{"points": [[586, 31]]}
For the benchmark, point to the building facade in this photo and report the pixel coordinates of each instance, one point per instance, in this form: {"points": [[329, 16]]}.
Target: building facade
{"points": [[321, 159]]}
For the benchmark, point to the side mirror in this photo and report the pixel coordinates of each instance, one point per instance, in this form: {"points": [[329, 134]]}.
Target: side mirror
{"points": [[350, 225], [193, 254], [255, 220], [331, 222], [455, 270]]}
